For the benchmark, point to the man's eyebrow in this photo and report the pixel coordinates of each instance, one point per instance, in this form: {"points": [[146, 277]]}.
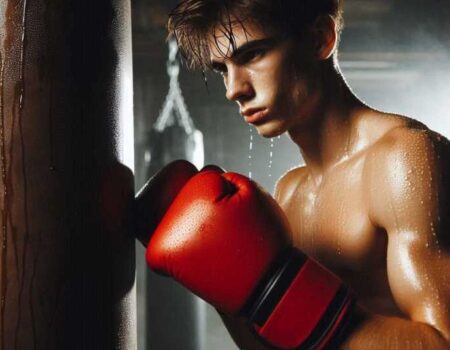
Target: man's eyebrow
{"points": [[249, 45]]}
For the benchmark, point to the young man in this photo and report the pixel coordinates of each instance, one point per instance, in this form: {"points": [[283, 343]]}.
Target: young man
{"points": [[372, 202]]}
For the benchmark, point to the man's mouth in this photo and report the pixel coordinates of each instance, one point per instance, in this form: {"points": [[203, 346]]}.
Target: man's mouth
{"points": [[254, 115]]}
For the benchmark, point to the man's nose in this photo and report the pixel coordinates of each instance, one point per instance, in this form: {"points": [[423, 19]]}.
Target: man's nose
{"points": [[238, 86]]}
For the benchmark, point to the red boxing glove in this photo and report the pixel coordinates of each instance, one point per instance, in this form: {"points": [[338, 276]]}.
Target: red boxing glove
{"points": [[155, 197], [226, 240]]}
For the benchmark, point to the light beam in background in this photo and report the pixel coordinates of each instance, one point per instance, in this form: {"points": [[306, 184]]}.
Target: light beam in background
{"points": [[124, 86]]}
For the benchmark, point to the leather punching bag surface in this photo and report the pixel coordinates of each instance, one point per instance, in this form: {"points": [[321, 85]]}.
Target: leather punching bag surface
{"points": [[67, 253]]}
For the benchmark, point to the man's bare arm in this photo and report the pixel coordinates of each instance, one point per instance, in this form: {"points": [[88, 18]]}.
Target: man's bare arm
{"points": [[408, 197]]}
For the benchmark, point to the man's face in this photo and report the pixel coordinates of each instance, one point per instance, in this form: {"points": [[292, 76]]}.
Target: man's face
{"points": [[273, 87]]}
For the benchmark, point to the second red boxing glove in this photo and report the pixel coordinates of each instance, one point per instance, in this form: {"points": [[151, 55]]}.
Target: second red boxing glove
{"points": [[225, 239], [155, 197]]}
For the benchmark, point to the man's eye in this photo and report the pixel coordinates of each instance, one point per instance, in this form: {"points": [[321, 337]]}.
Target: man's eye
{"points": [[251, 55], [220, 71]]}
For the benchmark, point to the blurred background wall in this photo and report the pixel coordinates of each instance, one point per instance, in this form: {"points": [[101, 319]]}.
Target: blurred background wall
{"points": [[395, 55]]}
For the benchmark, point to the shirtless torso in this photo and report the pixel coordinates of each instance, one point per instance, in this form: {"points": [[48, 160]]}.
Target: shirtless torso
{"points": [[330, 221], [340, 219]]}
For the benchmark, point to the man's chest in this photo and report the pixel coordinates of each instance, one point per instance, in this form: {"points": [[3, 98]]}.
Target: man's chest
{"points": [[330, 222]]}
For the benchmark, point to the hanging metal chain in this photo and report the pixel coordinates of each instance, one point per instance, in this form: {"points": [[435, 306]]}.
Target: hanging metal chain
{"points": [[174, 110], [174, 105]]}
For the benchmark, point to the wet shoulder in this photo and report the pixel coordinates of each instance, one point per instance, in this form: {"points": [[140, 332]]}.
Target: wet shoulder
{"points": [[409, 138], [288, 183], [404, 149], [389, 132]]}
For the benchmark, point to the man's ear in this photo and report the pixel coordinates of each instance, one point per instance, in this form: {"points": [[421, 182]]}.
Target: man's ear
{"points": [[325, 36]]}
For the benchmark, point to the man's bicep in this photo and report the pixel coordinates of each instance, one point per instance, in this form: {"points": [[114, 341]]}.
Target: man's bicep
{"points": [[407, 197], [419, 279]]}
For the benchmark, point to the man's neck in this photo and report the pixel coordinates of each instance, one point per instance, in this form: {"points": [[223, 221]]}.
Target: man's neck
{"points": [[328, 139]]}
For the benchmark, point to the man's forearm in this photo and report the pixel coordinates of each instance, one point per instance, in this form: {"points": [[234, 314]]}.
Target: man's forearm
{"points": [[374, 332]]}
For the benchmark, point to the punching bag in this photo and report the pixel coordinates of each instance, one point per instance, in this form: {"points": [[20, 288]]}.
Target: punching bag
{"points": [[66, 133]]}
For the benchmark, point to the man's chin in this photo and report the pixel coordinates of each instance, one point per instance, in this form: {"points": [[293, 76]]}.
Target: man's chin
{"points": [[269, 130]]}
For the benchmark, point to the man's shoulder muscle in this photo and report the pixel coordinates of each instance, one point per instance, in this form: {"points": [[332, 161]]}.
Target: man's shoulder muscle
{"points": [[405, 143], [395, 159]]}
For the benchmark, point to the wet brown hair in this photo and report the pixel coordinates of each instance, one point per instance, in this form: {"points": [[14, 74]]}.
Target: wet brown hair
{"points": [[192, 21]]}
